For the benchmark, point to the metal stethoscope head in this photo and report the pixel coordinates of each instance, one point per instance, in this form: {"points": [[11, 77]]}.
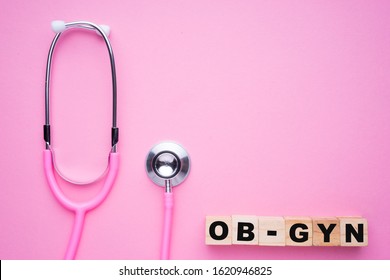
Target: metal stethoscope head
{"points": [[167, 165]]}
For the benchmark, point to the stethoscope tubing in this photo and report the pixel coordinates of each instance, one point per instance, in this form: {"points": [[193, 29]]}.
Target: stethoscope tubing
{"points": [[167, 226], [79, 208], [86, 205]]}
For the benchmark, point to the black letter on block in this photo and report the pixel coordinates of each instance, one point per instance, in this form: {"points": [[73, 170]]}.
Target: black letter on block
{"points": [[304, 235], [326, 231], [225, 230], [247, 229], [350, 230]]}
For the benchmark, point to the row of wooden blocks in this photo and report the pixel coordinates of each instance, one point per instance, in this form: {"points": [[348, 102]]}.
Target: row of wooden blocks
{"points": [[286, 231]]}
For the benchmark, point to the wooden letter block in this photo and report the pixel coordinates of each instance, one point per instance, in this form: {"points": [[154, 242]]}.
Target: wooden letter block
{"points": [[272, 231], [353, 231], [299, 231], [326, 231], [245, 230], [218, 230]]}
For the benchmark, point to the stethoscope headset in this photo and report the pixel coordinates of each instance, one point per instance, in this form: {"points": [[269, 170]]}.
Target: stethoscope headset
{"points": [[167, 163]]}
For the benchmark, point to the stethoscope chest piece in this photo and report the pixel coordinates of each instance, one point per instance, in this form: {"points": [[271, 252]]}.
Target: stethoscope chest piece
{"points": [[167, 164]]}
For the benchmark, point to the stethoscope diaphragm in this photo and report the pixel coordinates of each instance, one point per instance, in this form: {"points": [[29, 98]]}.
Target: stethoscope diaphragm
{"points": [[167, 163]]}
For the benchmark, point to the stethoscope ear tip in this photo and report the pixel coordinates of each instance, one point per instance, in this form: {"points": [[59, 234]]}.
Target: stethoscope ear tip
{"points": [[58, 26], [106, 29]]}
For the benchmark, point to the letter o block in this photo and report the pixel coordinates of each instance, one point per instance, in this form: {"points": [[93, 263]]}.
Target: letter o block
{"points": [[218, 230]]}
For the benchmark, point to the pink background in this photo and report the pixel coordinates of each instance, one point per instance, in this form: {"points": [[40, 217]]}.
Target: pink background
{"points": [[282, 105]]}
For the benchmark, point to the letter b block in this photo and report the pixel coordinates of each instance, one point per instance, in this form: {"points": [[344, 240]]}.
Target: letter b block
{"points": [[245, 230], [299, 231]]}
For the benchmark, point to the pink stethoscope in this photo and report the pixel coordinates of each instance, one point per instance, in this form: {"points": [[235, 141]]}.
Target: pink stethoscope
{"points": [[79, 208], [167, 163]]}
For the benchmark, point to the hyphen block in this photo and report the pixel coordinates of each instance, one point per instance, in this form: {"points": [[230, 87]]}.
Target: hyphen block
{"points": [[272, 231], [353, 231], [245, 230], [299, 231], [218, 230], [326, 231]]}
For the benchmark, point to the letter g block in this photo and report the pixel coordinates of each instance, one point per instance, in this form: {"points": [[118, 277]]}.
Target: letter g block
{"points": [[299, 231]]}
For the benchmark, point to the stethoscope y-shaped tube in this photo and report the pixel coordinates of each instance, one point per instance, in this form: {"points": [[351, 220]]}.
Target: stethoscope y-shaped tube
{"points": [[79, 208], [167, 165]]}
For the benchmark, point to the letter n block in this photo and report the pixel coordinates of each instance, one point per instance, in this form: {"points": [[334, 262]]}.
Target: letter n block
{"points": [[218, 230], [272, 231], [245, 230], [353, 231], [326, 231], [299, 231]]}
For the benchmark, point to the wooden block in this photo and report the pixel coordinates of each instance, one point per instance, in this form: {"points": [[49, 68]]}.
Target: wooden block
{"points": [[326, 231], [353, 231], [218, 230], [272, 231], [245, 230], [299, 231]]}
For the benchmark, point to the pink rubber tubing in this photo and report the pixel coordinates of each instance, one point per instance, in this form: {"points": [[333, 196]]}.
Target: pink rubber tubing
{"points": [[79, 208], [166, 239]]}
